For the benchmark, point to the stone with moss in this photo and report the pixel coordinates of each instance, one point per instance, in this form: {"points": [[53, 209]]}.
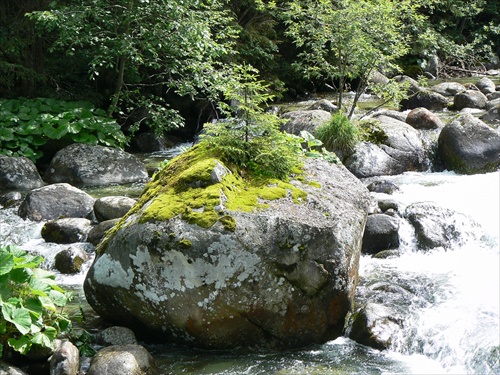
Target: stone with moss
{"points": [[227, 259]]}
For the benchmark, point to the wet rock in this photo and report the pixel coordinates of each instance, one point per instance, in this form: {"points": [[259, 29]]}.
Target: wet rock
{"points": [[56, 201], [387, 254], [116, 336], [413, 86], [383, 186], [388, 204], [492, 103], [10, 199], [98, 231], [448, 88], [469, 99], [65, 360], [298, 121], [123, 359], [281, 274], [493, 95], [70, 260], [467, 145], [381, 233], [401, 116], [439, 227], [426, 99], [492, 116], [67, 230], [6, 369], [150, 142], [83, 164], [112, 207], [324, 105], [422, 118], [18, 173], [374, 325], [486, 85]]}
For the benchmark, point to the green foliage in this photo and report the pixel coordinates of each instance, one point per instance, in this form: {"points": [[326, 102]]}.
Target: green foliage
{"points": [[30, 302], [339, 134], [249, 137], [26, 125]]}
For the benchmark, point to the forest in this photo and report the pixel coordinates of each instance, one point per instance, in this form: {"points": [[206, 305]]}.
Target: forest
{"points": [[165, 63]]}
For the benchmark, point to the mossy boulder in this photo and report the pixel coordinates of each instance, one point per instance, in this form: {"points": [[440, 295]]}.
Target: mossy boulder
{"points": [[214, 258]]}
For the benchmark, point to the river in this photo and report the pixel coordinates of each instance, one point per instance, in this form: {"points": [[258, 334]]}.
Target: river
{"points": [[452, 320]]}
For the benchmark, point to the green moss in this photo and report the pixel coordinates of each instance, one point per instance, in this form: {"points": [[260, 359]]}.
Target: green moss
{"points": [[228, 222], [184, 244]]}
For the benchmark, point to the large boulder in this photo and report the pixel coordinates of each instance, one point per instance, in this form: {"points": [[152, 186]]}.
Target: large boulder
{"points": [[56, 201], [448, 88], [486, 85], [83, 164], [210, 260], [469, 99], [308, 120], [468, 145], [18, 173], [66, 230], [381, 233], [400, 150], [422, 118], [431, 100], [112, 207]]}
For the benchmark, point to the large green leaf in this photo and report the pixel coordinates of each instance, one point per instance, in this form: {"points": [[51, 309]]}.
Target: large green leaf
{"points": [[21, 345], [6, 134], [19, 316], [54, 131], [6, 262]]}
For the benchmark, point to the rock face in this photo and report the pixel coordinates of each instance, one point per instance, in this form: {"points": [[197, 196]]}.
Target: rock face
{"points": [[82, 164], [468, 145], [56, 201], [402, 150], [18, 173], [305, 120], [278, 272]]}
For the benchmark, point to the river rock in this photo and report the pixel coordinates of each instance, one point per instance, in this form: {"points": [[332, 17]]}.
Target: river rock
{"points": [[278, 273], [324, 105], [112, 207], [422, 118], [448, 88], [56, 201], [10, 199], [6, 369], [18, 173], [413, 86], [83, 164], [374, 325], [70, 260], [486, 85], [381, 233], [123, 359], [439, 227], [116, 336], [401, 150], [67, 230], [383, 186], [65, 360], [492, 103], [467, 145], [427, 99], [493, 95], [492, 115], [469, 99], [98, 231], [309, 120]]}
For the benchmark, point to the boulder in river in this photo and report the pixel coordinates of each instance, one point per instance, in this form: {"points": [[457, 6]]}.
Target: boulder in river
{"points": [[83, 164], [70, 260], [492, 115], [381, 233], [56, 201], [123, 359], [426, 99], [469, 99], [307, 120], [448, 88], [486, 85], [422, 118], [218, 262], [112, 207], [66, 230], [467, 145], [18, 173]]}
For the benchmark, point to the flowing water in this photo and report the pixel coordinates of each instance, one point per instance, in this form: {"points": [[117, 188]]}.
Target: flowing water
{"points": [[449, 311]]}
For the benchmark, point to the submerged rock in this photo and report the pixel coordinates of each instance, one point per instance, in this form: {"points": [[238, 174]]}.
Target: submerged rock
{"points": [[273, 265]]}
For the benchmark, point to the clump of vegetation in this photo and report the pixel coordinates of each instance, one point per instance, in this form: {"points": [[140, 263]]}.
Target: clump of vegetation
{"points": [[339, 133], [26, 125], [31, 303]]}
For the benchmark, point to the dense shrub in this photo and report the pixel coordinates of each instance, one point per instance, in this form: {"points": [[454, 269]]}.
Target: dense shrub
{"points": [[339, 134]]}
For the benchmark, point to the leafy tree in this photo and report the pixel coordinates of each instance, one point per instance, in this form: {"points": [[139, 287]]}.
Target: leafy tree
{"points": [[344, 40], [147, 48]]}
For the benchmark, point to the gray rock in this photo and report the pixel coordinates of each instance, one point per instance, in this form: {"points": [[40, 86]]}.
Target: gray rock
{"points": [[486, 85], [439, 227], [98, 231], [304, 120], [469, 99], [493, 95], [324, 105], [112, 207], [381, 233], [426, 99], [448, 88], [492, 104], [383, 186], [388, 204], [6, 369], [413, 86], [467, 145], [123, 359], [10, 199], [116, 336], [70, 260], [18, 173], [283, 275], [493, 115], [68, 230], [65, 360], [83, 164], [422, 118], [56, 201], [401, 116]]}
